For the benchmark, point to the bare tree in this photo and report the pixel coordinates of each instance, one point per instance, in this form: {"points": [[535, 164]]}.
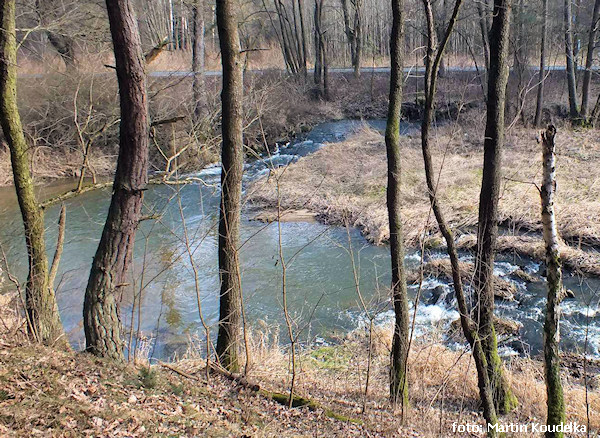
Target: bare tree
{"points": [[487, 228], [353, 30], [541, 74], [554, 390], [433, 60], [43, 321], [232, 160], [571, 79], [399, 355], [113, 256], [589, 60], [198, 49]]}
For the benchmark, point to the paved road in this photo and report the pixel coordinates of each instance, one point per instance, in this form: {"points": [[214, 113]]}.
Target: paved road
{"points": [[363, 70], [408, 70]]}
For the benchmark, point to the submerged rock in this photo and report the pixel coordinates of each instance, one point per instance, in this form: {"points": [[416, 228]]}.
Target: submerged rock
{"points": [[441, 269], [504, 327]]}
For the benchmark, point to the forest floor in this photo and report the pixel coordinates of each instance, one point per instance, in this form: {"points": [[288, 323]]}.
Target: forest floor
{"points": [[47, 392], [345, 183]]}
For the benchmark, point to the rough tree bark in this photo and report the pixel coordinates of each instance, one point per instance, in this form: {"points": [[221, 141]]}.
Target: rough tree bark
{"points": [[43, 321], [228, 340], [198, 57], [433, 60], [555, 401], [539, 106], [589, 61], [113, 256], [571, 79], [487, 229], [399, 353]]}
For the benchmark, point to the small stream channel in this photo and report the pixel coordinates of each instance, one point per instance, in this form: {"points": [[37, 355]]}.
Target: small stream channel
{"points": [[320, 282]]}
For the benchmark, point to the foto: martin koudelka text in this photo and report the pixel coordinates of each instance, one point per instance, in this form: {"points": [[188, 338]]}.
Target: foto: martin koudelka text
{"points": [[571, 427]]}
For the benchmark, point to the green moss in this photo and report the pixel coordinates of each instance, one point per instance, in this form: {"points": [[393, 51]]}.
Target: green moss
{"points": [[148, 378], [333, 358]]}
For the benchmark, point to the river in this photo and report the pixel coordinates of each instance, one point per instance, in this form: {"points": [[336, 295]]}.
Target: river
{"points": [[323, 298]]}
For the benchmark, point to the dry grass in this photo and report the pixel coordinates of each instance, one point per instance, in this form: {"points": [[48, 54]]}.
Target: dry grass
{"points": [[346, 181], [57, 393], [443, 385]]}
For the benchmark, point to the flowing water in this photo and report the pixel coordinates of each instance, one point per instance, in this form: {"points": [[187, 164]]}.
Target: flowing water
{"points": [[322, 293]]}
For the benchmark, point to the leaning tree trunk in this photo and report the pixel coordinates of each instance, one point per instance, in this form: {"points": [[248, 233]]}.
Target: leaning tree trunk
{"points": [[399, 354], [198, 57], [433, 62], [541, 74], [555, 401], [571, 80], [113, 256], [487, 229], [43, 321], [589, 61], [231, 186]]}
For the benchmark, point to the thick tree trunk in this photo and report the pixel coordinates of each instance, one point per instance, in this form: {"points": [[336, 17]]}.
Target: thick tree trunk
{"points": [[571, 79], [43, 321], [231, 186], [554, 390], [589, 61], [198, 57], [539, 106], [113, 256], [399, 354], [433, 62], [487, 230]]}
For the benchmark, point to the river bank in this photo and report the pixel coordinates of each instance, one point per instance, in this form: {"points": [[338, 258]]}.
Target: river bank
{"points": [[345, 184], [64, 392]]}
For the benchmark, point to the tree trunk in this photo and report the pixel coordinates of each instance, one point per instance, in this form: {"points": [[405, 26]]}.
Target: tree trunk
{"points": [[358, 37], [43, 321], [554, 390], [487, 229], [353, 31], [433, 61], [325, 62], [542, 73], [589, 61], [198, 57], [231, 186], [571, 80], [113, 256], [318, 55], [303, 34], [399, 354], [484, 29], [520, 61], [63, 45]]}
